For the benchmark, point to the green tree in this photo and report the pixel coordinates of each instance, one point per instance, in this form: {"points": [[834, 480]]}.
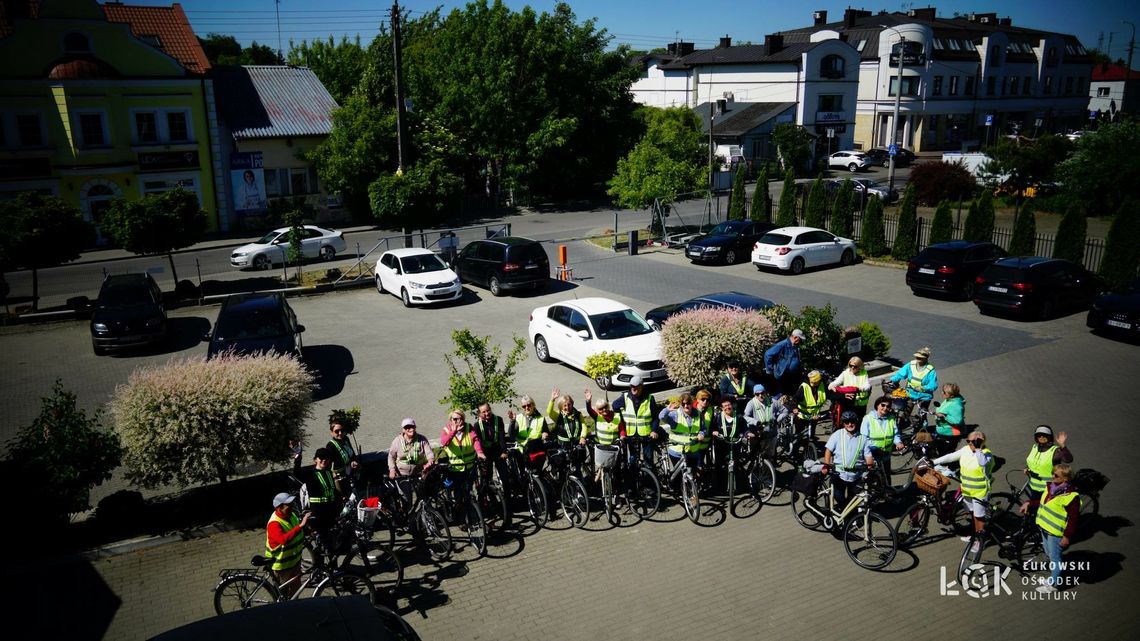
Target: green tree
{"points": [[156, 223], [793, 146], [761, 198], [295, 254], [669, 160], [816, 208], [979, 225], [57, 459], [786, 215], [1071, 235], [905, 245], [256, 54], [223, 49], [1121, 251], [359, 149], [488, 377], [1018, 164], [843, 210], [736, 204], [39, 232], [872, 237], [1105, 168], [338, 65], [942, 227], [1024, 241]]}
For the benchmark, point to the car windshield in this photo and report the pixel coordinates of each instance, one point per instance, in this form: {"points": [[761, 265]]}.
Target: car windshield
{"points": [[775, 239], [870, 184], [125, 297], [422, 263], [268, 238], [258, 323], [938, 255], [724, 229], [619, 324]]}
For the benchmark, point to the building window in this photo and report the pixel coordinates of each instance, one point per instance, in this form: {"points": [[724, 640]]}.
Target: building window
{"points": [[76, 43], [29, 131], [831, 103], [909, 85], [953, 85], [1048, 88], [177, 126], [91, 131], [1013, 86], [1027, 86], [158, 185], [995, 56], [1102, 92], [1068, 85], [1051, 57], [969, 89], [991, 85], [1005, 86], [831, 67], [146, 127], [937, 89]]}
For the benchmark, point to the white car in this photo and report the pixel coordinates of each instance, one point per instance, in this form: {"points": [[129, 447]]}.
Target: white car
{"points": [[417, 276], [573, 330], [795, 248], [274, 247], [852, 160]]}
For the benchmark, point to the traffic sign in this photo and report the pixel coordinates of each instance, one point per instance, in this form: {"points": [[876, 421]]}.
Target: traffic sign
{"points": [[893, 149], [989, 120], [831, 132]]}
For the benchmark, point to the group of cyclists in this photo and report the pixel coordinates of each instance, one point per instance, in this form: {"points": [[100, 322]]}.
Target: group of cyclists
{"points": [[741, 414]]}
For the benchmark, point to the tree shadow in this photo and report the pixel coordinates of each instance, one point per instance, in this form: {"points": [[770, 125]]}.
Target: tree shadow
{"points": [[331, 365], [42, 590], [240, 285]]}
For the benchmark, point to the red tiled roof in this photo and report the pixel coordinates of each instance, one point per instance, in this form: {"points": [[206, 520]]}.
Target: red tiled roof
{"points": [[1111, 72], [169, 25], [16, 9]]}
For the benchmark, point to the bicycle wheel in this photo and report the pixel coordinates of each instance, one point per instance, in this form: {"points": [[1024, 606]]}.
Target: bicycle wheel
{"points": [[347, 583], [434, 533], [495, 508], [870, 540], [913, 524], [474, 526], [1028, 552], [377, 561], [536, 501], [762, 480], [690, 497], [971, 557], [805, 516], [575, 502], [802, 450], [645, 495], [243, 591]]}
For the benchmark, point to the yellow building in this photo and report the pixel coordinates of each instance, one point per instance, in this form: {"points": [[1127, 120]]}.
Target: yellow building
{"points": [[105, 101]]}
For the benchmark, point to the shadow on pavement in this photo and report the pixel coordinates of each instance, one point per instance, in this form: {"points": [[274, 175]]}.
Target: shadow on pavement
{"points": [[331, 364], [63, 600], [241, 285]]}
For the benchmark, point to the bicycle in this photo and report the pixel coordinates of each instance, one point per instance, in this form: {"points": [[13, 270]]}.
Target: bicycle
{"points": [[869, 539], [758, 471], [793, 446], [949, 512], [492, 498], [455, 500], [1088, 482], [682, 469], [1016, 537], [565, 466], [419, 518], [351, 538], [244, 588], [640, 488]]}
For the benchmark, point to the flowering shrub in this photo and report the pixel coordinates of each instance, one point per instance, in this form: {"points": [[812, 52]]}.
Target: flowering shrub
{"points": [[197, 421], [699, 344]]}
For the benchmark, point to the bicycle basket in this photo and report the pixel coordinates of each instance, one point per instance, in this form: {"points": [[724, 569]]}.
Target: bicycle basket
{"points": [[922, 437], [1090, 481], [366, 511], [806, 484], [930, 480], [605, 455]]}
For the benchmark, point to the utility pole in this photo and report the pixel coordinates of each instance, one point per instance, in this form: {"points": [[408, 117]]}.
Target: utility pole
{"points": [[277, 9], [895, 122], [1128, 68], [401, 112]]}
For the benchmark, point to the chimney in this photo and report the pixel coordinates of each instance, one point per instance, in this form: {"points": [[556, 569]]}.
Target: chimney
{"points": [[725, 42], [685, 48], [772, 43], [984, 18], [1005, 22], [850, 16], [820, 17], [925, 13], [671, 48]]}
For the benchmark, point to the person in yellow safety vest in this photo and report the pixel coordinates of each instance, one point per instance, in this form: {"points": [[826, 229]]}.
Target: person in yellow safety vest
{"points": [[1058, 507], [639, 412], [975, 473], [608, 426], [851, 388], [686, 436], [881, 429], [461, 446], [325, 496], [919, 377], [284, 542], [703, 409], [810, 399], [1043, 456], [530, 428], [345, 462], [569, 423], [735, 384]]}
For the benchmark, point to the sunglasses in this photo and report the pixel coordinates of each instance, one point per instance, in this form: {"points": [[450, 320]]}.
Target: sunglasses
{"points": [[409, 427], [883, 405], [338, 431], [528, 405], [977, 442], [457, 418]]}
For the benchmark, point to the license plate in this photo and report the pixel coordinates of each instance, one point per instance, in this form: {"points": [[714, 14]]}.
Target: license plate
{"points": [[764, 258], [531, 267], [1119, 324], [925, 270], [1000, 290], [657, 373], [694, 252]]}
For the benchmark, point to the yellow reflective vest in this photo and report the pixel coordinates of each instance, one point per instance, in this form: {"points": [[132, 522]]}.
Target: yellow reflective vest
{"points": [[1053, 515], [1041, 464], [287, 555], [975, 479]]}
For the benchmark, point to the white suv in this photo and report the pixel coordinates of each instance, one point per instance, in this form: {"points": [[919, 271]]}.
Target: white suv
{"points": [[852, 160]]}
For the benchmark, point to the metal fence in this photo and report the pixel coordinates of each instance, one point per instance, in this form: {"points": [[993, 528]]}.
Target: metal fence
{"points": [[457, 236]]}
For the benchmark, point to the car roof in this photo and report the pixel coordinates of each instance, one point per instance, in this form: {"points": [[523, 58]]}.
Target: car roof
{"points": [[734, 223], [281, 230], [126, 280], [793, 231], [738, 299], [594, 305], [508, 240], [957, 245], [409, 251], [1026, 262], [238, 303]]}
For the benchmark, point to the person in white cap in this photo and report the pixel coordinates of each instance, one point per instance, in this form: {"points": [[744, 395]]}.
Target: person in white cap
{"points": [[284, 542], [920, 376], [410, 452], [639, 413], [1043, 456], [782, 362]]}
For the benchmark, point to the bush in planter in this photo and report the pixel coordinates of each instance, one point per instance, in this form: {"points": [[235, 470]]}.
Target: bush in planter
{"points": [[194, 421], [699, 344], [875, 342], [348, 419], [489, 378], [602, 366]]}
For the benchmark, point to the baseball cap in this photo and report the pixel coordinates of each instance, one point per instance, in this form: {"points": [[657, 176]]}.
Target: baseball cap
{"points": [[282, 499], [815, 376], [757, 388], [407, 422], [798, 333], [1044, 429], [636, 381]]}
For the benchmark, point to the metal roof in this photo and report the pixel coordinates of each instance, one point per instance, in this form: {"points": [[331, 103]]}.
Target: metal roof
{"points": [[270, 101], [741, 117]]}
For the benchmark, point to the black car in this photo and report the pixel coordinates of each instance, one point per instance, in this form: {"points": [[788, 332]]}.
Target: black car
{"points": [[727, 243], [504, 264], [657, 316], [881, 156], [255, 323], [951, 268], [128, 313], [1035, 285], [1117, 313]]}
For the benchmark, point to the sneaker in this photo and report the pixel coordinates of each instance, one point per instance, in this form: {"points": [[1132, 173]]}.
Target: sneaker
{"points": [[976, 547], [1046, 589], [964, 539]]}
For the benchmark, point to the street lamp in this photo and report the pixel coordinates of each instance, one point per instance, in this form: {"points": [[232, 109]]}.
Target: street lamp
{"points": [[1128, 69], [898, 103]]}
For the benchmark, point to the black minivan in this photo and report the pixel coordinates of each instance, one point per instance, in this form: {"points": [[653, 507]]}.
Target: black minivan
{"points": [[255, 323], [128, 313], [950, 268], [504, 264]]}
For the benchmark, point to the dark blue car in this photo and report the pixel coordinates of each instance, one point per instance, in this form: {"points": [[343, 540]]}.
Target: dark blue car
{"points": [[1117, 313], [657, 316], [256, 323], [728, 242]]}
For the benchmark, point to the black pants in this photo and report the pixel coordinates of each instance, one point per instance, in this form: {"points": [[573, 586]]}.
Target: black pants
{"points": [[843, 492]]}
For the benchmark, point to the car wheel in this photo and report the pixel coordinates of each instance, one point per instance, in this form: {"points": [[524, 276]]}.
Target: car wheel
{"points": [[797, 266], [541, 350], [327, 253], [260, 262], [495, 286], [379, 285], [730, 257], [848, 258], [99, 351], [405, 298], [968, 290], [853, 167], [1046, 310], [655, 326], [603, 383]]}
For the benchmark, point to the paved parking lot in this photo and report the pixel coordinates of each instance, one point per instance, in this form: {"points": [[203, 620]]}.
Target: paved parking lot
{"points": [[763, 576]]}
